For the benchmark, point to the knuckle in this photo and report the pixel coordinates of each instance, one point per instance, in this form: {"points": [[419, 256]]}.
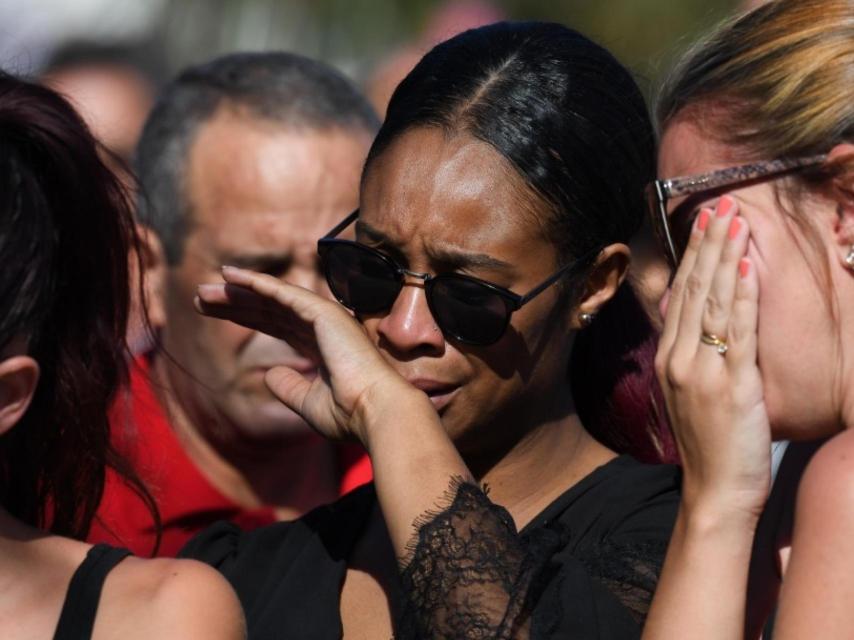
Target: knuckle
{"points": [[695, 240], [677, 373], [738, 333], [661, 361], [714, 311], [694, 286]]}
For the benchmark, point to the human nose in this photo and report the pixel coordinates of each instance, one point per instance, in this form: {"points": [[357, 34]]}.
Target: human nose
{"points": [[409, 325]]}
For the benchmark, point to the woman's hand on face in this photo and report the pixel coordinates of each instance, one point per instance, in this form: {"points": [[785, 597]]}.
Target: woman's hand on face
{"points": [[715, 401], [352, 373]]}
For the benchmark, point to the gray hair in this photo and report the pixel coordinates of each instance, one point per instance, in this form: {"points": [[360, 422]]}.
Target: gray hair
{"points": [[281, 87]]}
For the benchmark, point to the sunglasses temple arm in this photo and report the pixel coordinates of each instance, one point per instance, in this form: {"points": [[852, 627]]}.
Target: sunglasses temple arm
{"points": [[573, 266], [346, 222]]}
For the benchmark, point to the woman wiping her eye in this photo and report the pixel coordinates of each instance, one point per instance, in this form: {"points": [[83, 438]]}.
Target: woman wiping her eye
{"points": [[496, 207]]}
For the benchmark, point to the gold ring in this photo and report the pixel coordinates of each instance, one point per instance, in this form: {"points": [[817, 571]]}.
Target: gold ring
{"points": [[714, 341]]}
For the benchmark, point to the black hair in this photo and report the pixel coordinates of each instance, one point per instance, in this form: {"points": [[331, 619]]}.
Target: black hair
{"points": [[573, 123], [565, 113], [284, 88]]}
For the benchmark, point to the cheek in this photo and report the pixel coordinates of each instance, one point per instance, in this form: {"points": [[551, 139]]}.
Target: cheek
{"points": [[796, 345]]}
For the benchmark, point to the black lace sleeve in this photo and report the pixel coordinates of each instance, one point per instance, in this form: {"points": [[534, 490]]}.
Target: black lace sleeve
{"points": [[468, 574], [465, 575]]}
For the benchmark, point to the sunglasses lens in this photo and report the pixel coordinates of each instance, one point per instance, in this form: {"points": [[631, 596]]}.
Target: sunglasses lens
{"points": [[468, 310], [360, 278], [681, 224]]}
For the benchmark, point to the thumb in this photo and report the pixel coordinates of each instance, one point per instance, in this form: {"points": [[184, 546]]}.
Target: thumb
{"points": [[289, 386]]}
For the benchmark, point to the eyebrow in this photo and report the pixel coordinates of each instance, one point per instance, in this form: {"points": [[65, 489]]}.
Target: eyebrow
{"points": [[446, 256]]}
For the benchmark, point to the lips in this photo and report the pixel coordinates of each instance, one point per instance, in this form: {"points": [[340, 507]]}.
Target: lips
{"points": [[440, 393]]}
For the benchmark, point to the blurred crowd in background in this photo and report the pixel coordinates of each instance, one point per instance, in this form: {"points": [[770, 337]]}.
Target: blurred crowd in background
{"points": [[111, 56]]}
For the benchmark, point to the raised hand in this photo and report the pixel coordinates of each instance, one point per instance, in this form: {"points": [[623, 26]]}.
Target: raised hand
{"points": [[353, 375], [707, 366]]}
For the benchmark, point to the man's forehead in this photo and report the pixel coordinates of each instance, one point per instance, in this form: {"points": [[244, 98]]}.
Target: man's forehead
{"points": [[247, 174]]}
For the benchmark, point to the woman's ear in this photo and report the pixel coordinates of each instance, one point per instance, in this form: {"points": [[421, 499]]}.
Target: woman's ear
{"points": [[842, 192], [604, 279], [19, 376]]}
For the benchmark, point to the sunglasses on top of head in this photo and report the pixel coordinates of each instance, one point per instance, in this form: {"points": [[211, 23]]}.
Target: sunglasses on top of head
{"points": [[466, 309]]}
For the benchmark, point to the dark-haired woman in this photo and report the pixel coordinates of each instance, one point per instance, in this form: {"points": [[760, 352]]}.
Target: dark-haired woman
{"points": [[65, 232], [496, 206]]}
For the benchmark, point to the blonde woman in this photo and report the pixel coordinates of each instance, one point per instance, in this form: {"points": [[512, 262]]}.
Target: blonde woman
{"points": [[755, 206]]}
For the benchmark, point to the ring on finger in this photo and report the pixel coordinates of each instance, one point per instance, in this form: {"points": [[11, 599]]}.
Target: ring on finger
{"points": [[714, 341]]}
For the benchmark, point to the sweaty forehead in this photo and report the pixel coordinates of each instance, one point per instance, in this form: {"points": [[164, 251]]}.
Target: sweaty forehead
{"points": [[433, 189]]}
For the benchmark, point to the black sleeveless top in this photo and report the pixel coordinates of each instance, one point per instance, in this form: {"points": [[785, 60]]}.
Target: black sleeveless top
{"points": [[81, 602]]}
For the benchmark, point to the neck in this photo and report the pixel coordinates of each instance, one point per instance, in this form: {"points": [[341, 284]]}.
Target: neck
{"points": [[846, 387], [21, 545], [291, 475], [546, 461]]}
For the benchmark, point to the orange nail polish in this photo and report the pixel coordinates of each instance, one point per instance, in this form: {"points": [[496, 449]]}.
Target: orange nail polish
{"points": [[734, 227], [703, 220], [743, 267], [725, 204]]}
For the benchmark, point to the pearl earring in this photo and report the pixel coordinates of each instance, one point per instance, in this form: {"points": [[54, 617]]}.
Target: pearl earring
{"points": [[849, 259]]}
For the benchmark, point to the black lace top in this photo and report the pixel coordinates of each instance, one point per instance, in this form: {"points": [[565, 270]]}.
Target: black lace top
{"points": [[586, 567]]}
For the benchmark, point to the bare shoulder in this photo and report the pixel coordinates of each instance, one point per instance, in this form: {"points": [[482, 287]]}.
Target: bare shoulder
{"points": [[818, 586], [826, 492], [168, 598]]}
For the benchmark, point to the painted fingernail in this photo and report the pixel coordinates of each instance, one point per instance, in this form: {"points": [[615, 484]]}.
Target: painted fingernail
{"points": [[734, 227], [703, 220], [743, 267], [725, 204]]}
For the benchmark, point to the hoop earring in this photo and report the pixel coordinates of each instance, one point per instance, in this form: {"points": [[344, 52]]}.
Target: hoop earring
{"points": [[586, 319]]}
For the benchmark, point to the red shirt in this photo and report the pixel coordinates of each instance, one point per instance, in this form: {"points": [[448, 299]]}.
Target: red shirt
{"points": [[187, 501]]}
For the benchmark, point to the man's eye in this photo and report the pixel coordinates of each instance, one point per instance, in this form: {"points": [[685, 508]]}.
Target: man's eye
{"points": [[276, 269]]}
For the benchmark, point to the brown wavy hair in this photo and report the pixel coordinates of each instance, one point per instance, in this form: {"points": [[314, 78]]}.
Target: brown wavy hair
{"points": [[66, 234]]}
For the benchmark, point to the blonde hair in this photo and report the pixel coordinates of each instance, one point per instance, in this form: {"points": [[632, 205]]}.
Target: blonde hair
{"points": [[780, 79], [777, 82]]}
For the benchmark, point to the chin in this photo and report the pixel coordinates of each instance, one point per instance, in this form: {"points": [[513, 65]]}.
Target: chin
{"points": [[801, 424], [273, 421]]}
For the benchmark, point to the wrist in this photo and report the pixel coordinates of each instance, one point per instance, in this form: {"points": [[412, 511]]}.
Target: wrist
{"points": [[391, 405], [718, 514]]}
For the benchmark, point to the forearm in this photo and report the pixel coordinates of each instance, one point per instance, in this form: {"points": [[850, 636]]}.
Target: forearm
{"points": [[703, 585], [464, 565], [414, 460]]}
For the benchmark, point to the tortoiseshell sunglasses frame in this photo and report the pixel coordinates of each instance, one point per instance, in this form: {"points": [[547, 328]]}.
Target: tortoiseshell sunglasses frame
{"points": [[658, 192]]}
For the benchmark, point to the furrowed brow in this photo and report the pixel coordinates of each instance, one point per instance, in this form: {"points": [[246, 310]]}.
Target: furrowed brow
{"points": [[456, 259], [448, 257], [372, 233]]}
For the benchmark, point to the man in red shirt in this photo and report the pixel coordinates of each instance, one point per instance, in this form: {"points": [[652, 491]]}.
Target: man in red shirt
{"points": [[244, 161]]}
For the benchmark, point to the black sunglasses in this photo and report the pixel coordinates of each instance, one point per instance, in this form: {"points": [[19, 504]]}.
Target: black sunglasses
{"points": [[467, 309]]}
